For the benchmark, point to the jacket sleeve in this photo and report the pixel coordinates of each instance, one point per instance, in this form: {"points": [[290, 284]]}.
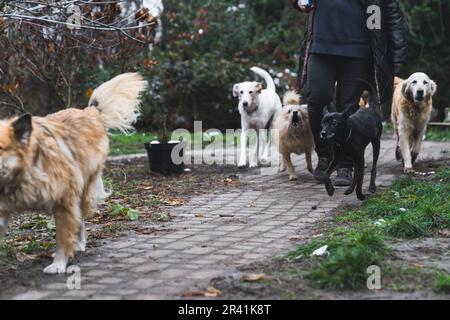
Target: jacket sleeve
{"points": [[396, 31]]}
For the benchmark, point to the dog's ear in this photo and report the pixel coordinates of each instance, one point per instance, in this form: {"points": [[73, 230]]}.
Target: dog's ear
{"points": [[22, 128], [405, 88], [433, 87], [325, 110], [236, 90], [258, 87]]}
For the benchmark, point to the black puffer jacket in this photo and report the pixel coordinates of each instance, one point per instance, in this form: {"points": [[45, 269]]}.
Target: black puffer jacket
{"points": [[388, 46]]}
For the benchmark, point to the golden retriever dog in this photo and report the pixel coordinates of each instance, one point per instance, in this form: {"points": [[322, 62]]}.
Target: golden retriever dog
{"points": [[295, 135], [55, 163], [411, 109]]}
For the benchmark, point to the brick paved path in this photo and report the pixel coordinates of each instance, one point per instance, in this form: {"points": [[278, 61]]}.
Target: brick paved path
{"points": [[211, 236]]}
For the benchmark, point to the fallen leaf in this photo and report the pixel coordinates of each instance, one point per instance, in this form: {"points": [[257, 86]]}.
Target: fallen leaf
{"points": [[189, 294], [50, 48], [173, 202], [199, 215], [89, 92], [212, 292], [252, 277], [445, 233], [209, 292]]}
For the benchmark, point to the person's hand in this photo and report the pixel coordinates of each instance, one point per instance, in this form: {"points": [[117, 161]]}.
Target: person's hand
{"points": [[305, 8]]}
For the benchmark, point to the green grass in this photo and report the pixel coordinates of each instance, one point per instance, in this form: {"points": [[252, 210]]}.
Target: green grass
{"points": [[121, 144], [438, 134], [351, 253], [129, 144], [32, 247], [433, 133], [442, 282], [409, 209], [7, 253], [388, 128]]}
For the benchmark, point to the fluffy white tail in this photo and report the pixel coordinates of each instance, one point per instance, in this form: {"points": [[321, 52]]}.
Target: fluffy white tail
{"points": [[291, 98], [118, 101], [266, 76]]}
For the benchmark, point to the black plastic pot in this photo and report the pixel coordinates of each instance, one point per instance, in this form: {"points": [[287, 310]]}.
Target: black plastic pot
{"points": [[160, 158]]}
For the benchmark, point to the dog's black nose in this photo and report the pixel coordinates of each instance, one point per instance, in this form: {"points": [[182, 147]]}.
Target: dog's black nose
{"points": [[245, 104], [420, 93], [323, 134]]}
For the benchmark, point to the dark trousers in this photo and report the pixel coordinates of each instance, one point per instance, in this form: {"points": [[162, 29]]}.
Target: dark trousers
{"points": [[325, 73]]}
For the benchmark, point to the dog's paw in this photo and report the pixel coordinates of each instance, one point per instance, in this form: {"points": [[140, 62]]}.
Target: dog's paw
{"points": [[55, 268], [348, 192], [80, 247], [361, 196], [265, 161], [242, 165], [372, 189], [330, 188], [293, 178], [253, 165], [409, 170]]}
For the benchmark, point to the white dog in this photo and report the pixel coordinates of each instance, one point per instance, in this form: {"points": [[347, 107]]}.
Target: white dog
{"points": [[411, 109], [258, 108]]}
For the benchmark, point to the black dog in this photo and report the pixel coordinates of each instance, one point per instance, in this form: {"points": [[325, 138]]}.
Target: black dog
{"points": [[349, 135]]}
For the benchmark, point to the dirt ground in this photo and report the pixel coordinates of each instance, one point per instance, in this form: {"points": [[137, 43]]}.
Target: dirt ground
{"points": [[409, 270], [30, 241], [136, 191]]}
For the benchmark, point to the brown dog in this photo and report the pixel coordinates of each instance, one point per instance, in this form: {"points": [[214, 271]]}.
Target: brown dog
{"points": [[295, 136], [55, 163], [411, 109]]}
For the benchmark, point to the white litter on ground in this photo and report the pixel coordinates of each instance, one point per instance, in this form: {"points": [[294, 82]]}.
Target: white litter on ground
{"points": [[321, 252]]}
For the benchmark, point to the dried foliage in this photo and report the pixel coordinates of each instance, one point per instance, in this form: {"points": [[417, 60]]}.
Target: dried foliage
{"points": [[51, 49]]}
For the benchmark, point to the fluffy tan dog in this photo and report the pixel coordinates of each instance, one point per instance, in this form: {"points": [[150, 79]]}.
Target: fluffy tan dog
{"points": [[55, 163], [411, 109], [295, 135]]}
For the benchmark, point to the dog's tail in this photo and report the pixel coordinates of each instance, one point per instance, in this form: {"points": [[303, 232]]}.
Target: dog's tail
{"points": [[118, 101], [266, 76], [291, 98]]}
